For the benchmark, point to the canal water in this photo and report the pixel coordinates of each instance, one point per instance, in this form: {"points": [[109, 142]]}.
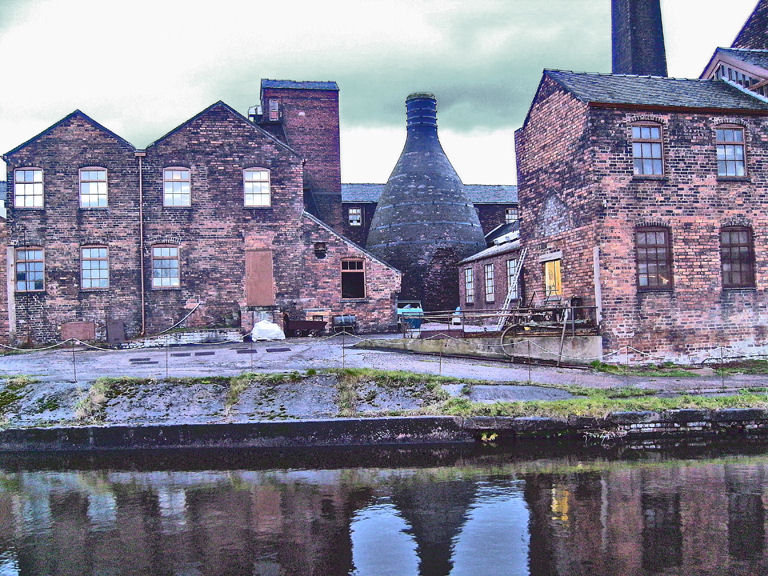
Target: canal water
{"points": [[459, 511]]}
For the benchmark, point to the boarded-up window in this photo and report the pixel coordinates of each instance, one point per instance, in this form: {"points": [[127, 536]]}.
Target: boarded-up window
{"points": [[259, 284]]}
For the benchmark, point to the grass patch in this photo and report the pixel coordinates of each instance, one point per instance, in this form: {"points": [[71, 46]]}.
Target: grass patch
{"points": [[743, 367], [90, 407], [664, 370], [596, 405], [13, 391]]}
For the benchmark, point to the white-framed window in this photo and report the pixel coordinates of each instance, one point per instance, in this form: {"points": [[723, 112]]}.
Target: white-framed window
{"points": [[355, 216], [731, 160], [510, 215], [490, 288], [93, 188], [165, 266], [469, 286], [512, 283], [94, 268], [30, 269], [647, 150], [176, 187], [256, 186], [28, 188]]}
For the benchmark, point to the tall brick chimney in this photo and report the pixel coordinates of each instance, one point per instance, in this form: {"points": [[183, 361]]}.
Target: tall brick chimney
{"points": [[754, 34], [638, 38], [306, 116], [424, 223]]}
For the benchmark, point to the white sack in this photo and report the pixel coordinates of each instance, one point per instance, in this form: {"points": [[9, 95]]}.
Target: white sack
{"points": [[266, 330]]}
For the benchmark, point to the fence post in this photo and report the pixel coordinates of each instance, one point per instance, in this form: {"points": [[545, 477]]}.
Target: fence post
{"points": [[74, 363], [722, 372], [166, 356], [529, 362], [343, 358]]}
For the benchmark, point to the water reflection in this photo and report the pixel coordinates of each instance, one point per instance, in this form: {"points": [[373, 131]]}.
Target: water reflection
{"points": [[491, 515]]}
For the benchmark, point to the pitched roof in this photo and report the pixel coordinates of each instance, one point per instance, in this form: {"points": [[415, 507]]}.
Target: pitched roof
{"points": [[478, 193], [754, 57], [75, 114], [236, 114], [655, 91], [495, 250], [294, 85]]}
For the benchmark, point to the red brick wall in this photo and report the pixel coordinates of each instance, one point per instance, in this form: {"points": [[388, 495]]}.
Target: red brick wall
{"points": [[217, 145], [501, 282], [311, 124], [63, 227], [698, 314], [577, 191], [555, 187], [4, 321]]}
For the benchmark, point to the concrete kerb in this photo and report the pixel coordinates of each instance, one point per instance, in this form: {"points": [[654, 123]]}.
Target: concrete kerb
{"points": [[678, 425]]}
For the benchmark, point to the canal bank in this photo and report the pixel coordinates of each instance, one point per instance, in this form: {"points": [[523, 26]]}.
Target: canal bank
{"points": [[688, 425]]}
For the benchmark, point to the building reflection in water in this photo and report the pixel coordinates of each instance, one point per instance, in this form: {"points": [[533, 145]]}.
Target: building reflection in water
{"points": [[683, 518]]}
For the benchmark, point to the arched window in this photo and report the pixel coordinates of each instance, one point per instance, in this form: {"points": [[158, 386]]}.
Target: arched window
{"points": [[737, 257], [647, 149], [731, 157]]}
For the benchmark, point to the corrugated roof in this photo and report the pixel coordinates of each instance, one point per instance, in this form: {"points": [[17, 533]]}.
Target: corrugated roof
{"points": [[755, 57], [655, 91], [295, 85], [478, 193], [493, 251]]}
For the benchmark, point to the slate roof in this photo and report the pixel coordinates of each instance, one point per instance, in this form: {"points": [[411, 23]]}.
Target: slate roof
{"points": [[755, 57], [478, 193], [655, 91], [493, 251], [294, 85]]}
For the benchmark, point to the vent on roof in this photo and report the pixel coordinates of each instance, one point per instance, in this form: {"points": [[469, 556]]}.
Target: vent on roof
{"points": [[274, 110]]}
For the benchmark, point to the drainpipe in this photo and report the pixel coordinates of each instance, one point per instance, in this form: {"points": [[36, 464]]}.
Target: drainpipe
{"points": [[141, 154]]}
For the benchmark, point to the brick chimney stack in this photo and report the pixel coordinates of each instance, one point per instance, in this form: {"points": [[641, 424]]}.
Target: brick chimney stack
{"points": [[638, 38]]}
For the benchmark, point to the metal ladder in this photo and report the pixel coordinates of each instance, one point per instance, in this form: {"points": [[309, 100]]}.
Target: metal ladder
{"points": [[510, 290]]}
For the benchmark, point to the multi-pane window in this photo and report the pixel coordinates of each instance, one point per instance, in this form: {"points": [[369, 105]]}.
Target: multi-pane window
{"points": [[647, 150], [165, 267], [176, 190], [93, 188], [510, 215], [553, 284], [28, 188], [352, 279], [512, 281], [355, 216], [256, 185], [730, 152], [654, 259], [490, 288], [469, 286], [737, 257], [30, 270], [94, 268]]}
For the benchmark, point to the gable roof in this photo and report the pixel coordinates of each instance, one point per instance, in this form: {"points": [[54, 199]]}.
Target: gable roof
{"points": [[75, 114], [303, 85], [477, 193], [237, 115], [347, 241], [656, 91], [754, 57]]}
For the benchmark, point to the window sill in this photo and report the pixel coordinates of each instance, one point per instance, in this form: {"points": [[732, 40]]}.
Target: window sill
{"points": [[94, 207], [29, 292], [257, 207], [94, 290], [734, 179], [655, 291], [739, 288], [641, 178], [165, 288], [177, 207], [25, 208], [354, 300]]}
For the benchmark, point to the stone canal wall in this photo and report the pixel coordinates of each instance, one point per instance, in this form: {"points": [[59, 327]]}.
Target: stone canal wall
{"points": [[617, 427]]}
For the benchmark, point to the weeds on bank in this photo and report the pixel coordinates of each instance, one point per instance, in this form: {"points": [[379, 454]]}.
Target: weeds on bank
{"points": [[743, 367], [14, 389], [90, 407], [596, 405], [664, 370]]}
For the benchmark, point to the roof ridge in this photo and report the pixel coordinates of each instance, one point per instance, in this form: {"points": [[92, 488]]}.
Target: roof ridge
{"points": [[611, 75]]}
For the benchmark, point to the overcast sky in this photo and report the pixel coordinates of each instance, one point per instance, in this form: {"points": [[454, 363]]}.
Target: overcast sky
{"points": [[141, 67]]}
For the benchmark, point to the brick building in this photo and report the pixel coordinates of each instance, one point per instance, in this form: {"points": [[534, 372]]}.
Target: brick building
{"points": [[207, 224], [646, 196]]}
